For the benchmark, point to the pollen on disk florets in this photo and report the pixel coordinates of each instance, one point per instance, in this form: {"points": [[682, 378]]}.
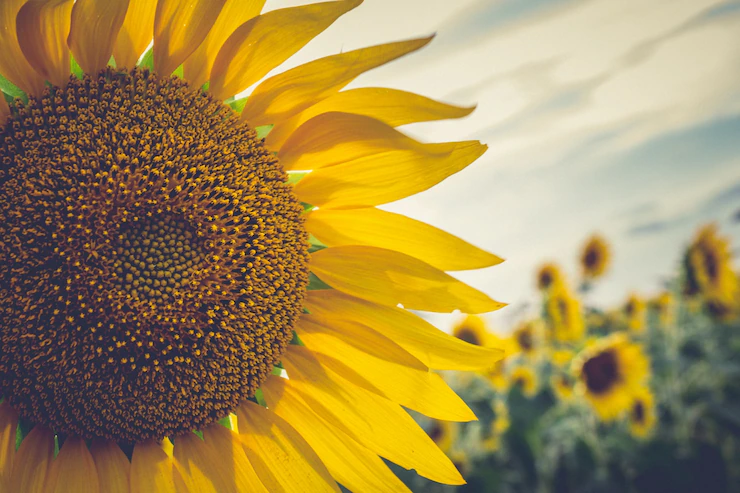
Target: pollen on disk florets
{"points": [[153, 258]]}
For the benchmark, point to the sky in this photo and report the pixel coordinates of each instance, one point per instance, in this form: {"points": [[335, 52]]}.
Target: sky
{"points": [[621, 118]]}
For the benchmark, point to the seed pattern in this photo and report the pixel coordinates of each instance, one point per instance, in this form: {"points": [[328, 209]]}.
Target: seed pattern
{"points": [[153, 258]]}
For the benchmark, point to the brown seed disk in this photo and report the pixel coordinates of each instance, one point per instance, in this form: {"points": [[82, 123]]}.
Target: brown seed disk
{"points": [[153, 258]]}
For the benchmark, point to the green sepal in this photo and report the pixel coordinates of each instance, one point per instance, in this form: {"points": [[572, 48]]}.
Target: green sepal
{"points": [[262, 130], [260, 398], [147, 61], [198, 433], [179, 72], [296, 341], [296, 176], [225, 422], [238, 105], [11, 91], [315, 244], [315, 284], [75, 68]]}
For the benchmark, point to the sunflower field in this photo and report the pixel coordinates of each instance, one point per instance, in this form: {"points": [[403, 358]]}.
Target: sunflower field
{"points": [[644, 397]]}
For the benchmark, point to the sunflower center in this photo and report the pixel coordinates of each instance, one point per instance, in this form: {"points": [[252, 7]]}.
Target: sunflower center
{"points": [[153, 258], [545, 279], [592, 258], [524, 338], [469, 336], [638, 412], [711, 264], [601, 372]]}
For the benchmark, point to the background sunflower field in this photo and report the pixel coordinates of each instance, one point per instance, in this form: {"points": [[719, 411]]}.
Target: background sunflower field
{"points": [[643, 397]]}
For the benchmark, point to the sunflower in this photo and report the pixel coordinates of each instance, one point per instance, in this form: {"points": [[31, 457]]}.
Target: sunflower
{"points": [[595, 257], [562, 386], [564, 315], [473, 330], [199, 293], [501, 422], [609, 372], [635, 312], [526, 379], [526, 338], [548, 276], [708, 270], [443, 433], [641, 415], [561, 357], [664, 307]]}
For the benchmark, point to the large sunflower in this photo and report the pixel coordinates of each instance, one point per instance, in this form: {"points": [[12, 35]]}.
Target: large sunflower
{"points": [[595, 257], [610, 371], [179, 314]]}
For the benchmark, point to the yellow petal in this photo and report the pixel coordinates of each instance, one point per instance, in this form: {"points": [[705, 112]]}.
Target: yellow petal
{"points": [[112, 465], [32, 461], [135, 34], [75, 469], [13, 64], [152, 468], [43, 27], [362, 337], [335, 138], [389, 278], [8, 425], [266, 41], [351, 464], [179, 28], [377, 423], [374, 227], [290, 92], [390, 106], [387, 176], [338, 346], [281, 457], [234, 14], [229, 452], [93, 31], [431, 346]]}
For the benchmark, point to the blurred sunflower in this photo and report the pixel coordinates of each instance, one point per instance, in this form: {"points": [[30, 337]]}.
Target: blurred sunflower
{"points": [[443, 433], [595, 257], [609, 373], [496, 376], [664, 306], [501, 422], [562, 387], [642, 413], [473, 330], [548, 276], [708, 267], [526, 338], [155, 265], [526, 379], [561, 357], [635, 313], [564, 315]]}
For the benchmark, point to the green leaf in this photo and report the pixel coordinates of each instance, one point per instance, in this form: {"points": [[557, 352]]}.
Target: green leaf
{"points": [[179, 72], [147, 60], [10, 89]]}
